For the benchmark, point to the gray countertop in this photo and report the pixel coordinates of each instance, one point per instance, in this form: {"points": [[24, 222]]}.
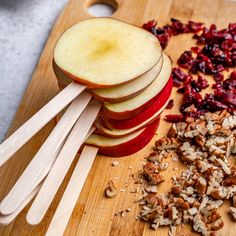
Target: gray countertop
{"points": [[24, 28]]}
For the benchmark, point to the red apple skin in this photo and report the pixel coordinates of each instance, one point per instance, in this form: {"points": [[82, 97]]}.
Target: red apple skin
{"points": [[132, 146], [101, 132], [63, 80], [154, 107], [129, 113]]}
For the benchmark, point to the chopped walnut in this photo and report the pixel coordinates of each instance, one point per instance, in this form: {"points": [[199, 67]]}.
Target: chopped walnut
{"points": [[234, 201], [233, 213], [217, 225], [188, 152], [167, 143], [205, 146], [229, 122], [201, 185], [111, 191], [199, 225]]}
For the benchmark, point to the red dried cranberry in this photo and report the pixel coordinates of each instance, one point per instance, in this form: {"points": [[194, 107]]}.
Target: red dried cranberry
{"points": [[191, 97], [228, 45], [195, 49], [163, 34], [178, 76], [233, 75], [150, 25], [170, 104], [232, 27], [186, 60], [180, 90], [195, 114], [174, 118], [196, 86], [211, 104], [202, 82], [178, 27], [218, 77], [195, 27]]}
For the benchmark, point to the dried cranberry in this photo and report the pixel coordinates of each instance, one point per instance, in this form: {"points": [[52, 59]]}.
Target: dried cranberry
{"points": [[228, 45], [211, 104], [195, 49], [170, 104], [202, 82], [150, 25], [195, 27], [196, 86], [178, 76], [178, 27], [232, 27], [174, 118], [186, 60], [233, 75], [164, 39], [191, 97], [195, 114], [218, 77], [180, 90]]}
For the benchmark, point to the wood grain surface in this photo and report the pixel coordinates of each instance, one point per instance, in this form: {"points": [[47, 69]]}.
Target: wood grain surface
{"points": [[94, 214]]}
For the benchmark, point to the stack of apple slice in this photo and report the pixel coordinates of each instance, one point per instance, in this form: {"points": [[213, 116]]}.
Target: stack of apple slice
{"points": [[124, 68]]}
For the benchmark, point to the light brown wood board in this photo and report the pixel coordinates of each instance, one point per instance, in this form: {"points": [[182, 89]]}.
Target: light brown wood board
{"points": [[94, 214]]}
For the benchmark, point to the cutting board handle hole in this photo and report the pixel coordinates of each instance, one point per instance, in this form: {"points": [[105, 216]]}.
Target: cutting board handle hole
{"points": [[101, 8]]}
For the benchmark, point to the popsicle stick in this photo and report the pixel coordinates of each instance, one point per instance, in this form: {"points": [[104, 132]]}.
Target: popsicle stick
{"points": [[72, 192], [7, 219], [62, 164], [47, 153], [13, 143]]}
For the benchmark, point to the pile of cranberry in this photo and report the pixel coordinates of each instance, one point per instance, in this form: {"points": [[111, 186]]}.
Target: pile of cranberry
{"points": [[215, 53]]}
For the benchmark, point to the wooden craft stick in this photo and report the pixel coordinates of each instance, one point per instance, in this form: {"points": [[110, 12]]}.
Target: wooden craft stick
{"points": [[62, 164], [7, 219], [46, 154], [72, 192], [13, 143]]}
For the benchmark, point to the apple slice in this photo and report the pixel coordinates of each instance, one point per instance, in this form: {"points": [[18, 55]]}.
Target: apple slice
{"points": [[141, 117], [126, 145], [139, 121], [131, 107], [129, 90], [120, 92], [104, 52]]}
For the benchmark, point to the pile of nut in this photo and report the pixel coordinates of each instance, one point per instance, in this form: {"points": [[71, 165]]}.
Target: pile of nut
{"points": [[204, 145]]}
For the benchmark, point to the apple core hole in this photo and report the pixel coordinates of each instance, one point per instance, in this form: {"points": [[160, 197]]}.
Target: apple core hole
{"points": [[102, 8]]}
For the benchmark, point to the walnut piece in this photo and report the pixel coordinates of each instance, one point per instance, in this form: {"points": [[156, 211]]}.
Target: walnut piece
{"points": [[111, 190]]}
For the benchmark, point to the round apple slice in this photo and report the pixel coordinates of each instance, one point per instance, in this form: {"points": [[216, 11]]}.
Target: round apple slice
{"points": [[104, 52], [129, 90], [141, 120], [126, 145], [120, 92], [131, 107]]}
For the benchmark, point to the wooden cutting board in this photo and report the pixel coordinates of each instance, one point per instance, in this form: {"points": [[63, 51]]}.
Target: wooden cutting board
{"points": [[94, 214]]}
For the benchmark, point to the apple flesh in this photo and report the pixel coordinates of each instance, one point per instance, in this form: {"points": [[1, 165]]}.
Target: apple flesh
{"points": [[119, 93], [123, 146], [104, 52], [120, 128], [132, 107], [129, 90]]}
